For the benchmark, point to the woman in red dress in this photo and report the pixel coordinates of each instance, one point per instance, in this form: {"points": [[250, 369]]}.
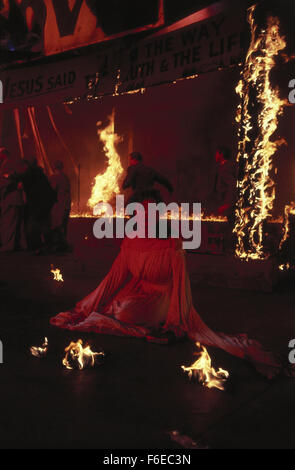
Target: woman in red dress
{"points": [[148, 287]]}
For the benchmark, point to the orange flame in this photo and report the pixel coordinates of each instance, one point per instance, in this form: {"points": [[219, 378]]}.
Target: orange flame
{"points": [[57, 276], [206, 374], [77, 355], [106, 185], [40, 351], [285, 267], [256, 189], [172, 216], [289, 209]]}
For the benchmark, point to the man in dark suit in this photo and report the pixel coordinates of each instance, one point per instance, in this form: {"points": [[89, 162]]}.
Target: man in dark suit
{"points": [[226, 181], [40, 200], [141, 179], [226, 192], [11, 203]]}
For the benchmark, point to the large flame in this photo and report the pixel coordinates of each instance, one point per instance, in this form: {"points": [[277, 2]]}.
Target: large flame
{"points": [[256, 150], [106, 185], [205, 373], [80, 357]]}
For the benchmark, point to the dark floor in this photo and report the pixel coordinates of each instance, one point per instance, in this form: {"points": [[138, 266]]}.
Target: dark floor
{"points": [[140, 393]]}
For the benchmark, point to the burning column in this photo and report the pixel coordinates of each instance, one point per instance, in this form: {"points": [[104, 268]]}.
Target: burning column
{"points": [[257, 114]]}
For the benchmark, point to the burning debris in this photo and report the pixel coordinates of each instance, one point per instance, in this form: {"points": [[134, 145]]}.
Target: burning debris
{"points": [[256, 187], [40, 351], [57, 276], [106, 185], [284, 267], [79, 357], [204, 373]]}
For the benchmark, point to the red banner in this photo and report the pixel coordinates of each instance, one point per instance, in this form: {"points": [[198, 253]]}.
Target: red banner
{"points": [[53, 26]]}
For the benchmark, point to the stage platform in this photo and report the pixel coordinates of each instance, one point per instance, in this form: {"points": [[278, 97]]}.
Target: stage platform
{"points": [[205, 268]]}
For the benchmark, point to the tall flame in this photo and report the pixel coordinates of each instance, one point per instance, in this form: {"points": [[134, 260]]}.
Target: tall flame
{"points": [[106, 185], [255, 156], [206, 374]]}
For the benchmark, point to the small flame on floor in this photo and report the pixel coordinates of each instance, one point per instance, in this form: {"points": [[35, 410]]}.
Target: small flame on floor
{"points": [[40, 351], [57, 275], [79, 357], [205, 373], [285, 267]]}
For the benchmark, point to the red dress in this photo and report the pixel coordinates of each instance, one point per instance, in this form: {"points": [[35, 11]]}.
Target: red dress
{"points": [[148, 286]]}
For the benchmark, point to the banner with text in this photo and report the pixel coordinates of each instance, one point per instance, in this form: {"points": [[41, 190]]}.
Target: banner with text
{"points": [[62, 81], [198, 48]]}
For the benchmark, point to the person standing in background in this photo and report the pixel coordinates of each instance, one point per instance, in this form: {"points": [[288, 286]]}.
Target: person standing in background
{"points": [[226, 181], [141, 178], [12, 204], [61, 210], [226, 190], [40, 198]]}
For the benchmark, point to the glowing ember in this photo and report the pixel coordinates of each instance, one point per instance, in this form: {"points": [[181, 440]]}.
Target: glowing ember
{"points": [[285, 267], [256, 149], [205, 373], [81, 215], [79, 357], [106, 185], [40, 351], [57, 276]]}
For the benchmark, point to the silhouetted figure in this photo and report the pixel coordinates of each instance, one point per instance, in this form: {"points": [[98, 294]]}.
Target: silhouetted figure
{"points": [[225, 182], [12, 204], [40, 200], [141, 179], [62, 208], [225, 191]]}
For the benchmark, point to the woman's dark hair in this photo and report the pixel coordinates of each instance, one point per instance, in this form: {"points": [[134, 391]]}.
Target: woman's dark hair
{"points": [[226, 152], [136, 156]]}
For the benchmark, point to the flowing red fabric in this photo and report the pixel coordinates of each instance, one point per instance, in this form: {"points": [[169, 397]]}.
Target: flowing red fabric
{"points": [[147, 286]]}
